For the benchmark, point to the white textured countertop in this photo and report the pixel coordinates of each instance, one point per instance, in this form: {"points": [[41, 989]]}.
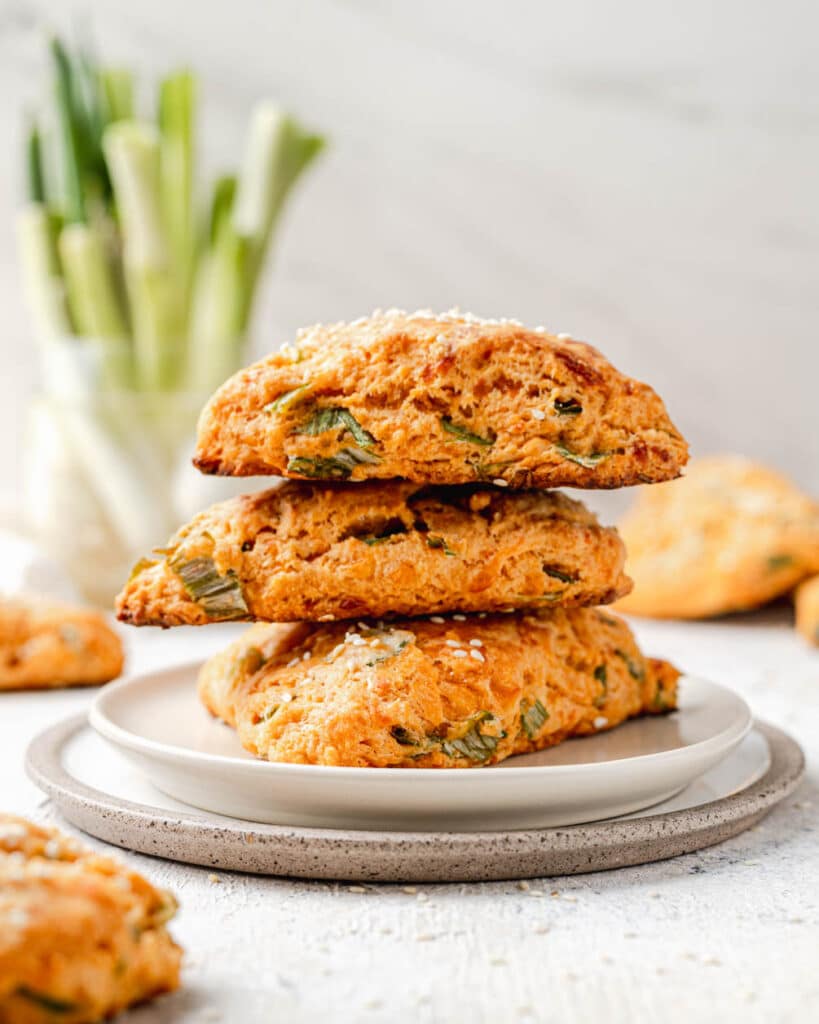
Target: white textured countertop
{"points": [[730, 933]]}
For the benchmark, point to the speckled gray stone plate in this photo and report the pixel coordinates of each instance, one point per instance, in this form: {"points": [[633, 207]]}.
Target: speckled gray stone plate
{"points": [[70, 763]]}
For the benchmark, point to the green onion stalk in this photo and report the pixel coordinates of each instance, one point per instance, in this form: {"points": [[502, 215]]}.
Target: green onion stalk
{"points": [[140, 294]]}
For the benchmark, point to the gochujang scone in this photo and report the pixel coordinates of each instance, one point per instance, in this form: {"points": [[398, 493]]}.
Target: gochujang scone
{"points": [[325, 551], [439, 399], [730, 535], [81, 936], [806, 601], [453, 692], [46, 644]]}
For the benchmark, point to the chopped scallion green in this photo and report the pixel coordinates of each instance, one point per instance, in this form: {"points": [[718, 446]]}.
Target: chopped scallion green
{"points": [[587, 461], [219, 597], [532, 717], [336, 418], [464, 434], [287, 400]]}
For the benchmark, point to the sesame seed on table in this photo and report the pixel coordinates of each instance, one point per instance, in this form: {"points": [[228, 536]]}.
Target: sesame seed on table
{"points": [[681, 940]]}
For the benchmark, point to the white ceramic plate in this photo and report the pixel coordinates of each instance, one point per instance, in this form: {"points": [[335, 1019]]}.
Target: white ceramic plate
{"points": [[156, 720]]}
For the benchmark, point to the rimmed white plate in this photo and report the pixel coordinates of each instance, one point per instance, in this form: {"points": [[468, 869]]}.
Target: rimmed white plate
{"points": [[157, 722]]}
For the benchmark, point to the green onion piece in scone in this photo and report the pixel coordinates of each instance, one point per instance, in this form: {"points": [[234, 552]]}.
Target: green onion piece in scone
{"points": [[532, 717], [634, 670], [587, 461], [776, 562], [468, 741], [334, 418], [219, 597], [51, 1004], [559, 574], [287, 400], [601, 675], [569, 407], [434, 541], [331, 467], [464, 434]]}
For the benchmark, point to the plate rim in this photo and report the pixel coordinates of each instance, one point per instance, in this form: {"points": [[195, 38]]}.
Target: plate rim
{"points": [[104, 726], [543, 852]]}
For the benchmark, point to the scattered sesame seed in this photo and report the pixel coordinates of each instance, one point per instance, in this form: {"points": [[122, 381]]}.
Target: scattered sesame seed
{"points": [[459, 654], [293, 661], [541, 929], [410, 890], [482, 615], [437, 618], [554, 894], [459, 618], [214, 879], [523, 885], [424, 937], [540, 329], [52, 849], [564, 337], [536, 892], [356, 888], [452, 643], [440, 338], [286, 697], [362, 625], [305, 656], [499, 482], [476, 642], [600, 722], [538, 414], [476, 655], [422, 897]]}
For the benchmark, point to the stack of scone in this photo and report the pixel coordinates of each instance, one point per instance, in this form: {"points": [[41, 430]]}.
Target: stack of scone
{"points": [[422, 599]]}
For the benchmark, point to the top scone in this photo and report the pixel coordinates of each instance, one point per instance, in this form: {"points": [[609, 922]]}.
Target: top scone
{"points": [[439, 399]]}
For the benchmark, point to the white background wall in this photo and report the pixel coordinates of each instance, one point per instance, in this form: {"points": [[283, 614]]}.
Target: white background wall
{"points": [[642, 174]]}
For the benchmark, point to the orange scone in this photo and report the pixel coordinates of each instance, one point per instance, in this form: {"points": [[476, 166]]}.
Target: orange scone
{"points": [[454, 692], [81, 936], [729, 536], [439, 399], [806, 601], [47, 644], [336, 551]]}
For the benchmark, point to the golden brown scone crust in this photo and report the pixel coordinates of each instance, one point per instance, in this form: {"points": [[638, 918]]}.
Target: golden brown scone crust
{"points": [[730, 535], [422, 693], [806, 601], [439, 399], [324, 551], [81, 936], [46, 644]]}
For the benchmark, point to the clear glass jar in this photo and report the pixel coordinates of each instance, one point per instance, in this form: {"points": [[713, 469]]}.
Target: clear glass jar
{"points": [[107, 472]]}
